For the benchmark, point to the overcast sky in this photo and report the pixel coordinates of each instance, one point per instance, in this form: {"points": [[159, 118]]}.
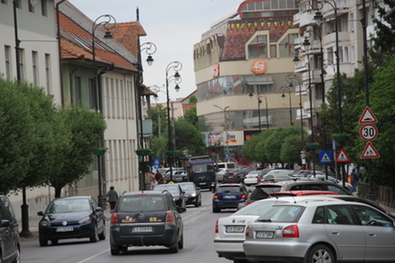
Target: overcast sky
{"points": [[173, 25]]}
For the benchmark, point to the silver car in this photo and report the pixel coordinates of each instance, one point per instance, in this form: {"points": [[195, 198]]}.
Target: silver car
{"points": [[324, 232]]}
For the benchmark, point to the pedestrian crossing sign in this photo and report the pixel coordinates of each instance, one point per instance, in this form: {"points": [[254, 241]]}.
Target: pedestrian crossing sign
{"points": [[369, 152], [325, 157], [342, 157]]}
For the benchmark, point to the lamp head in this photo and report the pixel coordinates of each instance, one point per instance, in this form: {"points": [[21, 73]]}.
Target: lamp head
{"points": [[318, 18], [296, 59], [290, 85], [306, 44], [150, 60], [108, 35], [177, 76], [283, 96], [251, 95], [177, 88]]}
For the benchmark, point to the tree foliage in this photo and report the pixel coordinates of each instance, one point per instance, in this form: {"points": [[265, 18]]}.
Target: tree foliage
{"points": [[189, 138], [158, 111]]}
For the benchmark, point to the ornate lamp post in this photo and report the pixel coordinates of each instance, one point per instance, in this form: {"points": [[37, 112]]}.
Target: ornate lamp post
{"points": [[259, 98], [226, 128], [108, 23], [291, 78], [176, 66], [284, 89]]}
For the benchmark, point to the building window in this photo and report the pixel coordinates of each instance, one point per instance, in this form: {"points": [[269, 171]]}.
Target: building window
{"points": [[285, 45], [44, 11], [21, 65], [31, 7], [4, 2], [352, 54], [18, 4], [7, 57], [48, 73], [78, 92], [273, 51], [35, 68], [258, 47], [92, 95]]}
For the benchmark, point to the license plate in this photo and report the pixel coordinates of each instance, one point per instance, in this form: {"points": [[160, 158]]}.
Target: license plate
{"points": [[234, 229], [64, 229], [264, 235], [142, 229], [202, 183], [229, 197]]}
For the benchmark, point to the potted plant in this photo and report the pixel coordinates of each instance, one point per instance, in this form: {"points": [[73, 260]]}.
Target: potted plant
{"points": [[171, 153], [100, 151], [340, 137], [143, 151]]}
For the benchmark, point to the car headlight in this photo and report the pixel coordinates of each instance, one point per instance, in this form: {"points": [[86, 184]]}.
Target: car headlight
{"points": [[193, 195], [45, 223], [85, 220]]}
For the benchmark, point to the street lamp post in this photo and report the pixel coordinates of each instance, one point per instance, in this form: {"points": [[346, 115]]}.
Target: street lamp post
{"points": [[108, 23], [295, 78], [284, 89], [176, 66], [226, 128], [259, 98]]}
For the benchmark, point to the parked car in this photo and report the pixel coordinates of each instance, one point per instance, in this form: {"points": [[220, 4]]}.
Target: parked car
{"points": [[253, 177], [149, 218], [230, 231], [180, 176], [192, 193], [228, 196], [71, 217], [175, 170], [10, 248], [321, 232], [175, 191]]}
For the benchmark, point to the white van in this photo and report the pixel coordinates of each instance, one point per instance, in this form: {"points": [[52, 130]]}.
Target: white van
{"points": [[226, 166]]}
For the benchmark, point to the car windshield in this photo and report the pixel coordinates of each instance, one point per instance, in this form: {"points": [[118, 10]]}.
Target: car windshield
{"points": [[258, 208], [229, 189], [282, 213], [187, 187], [172, 188], [140, 203], [69, 206]]}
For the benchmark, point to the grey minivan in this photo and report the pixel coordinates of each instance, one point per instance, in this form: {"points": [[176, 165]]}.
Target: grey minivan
{"points": [[9, 233]]}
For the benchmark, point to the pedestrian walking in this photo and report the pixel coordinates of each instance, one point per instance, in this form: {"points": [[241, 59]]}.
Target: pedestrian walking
{"points": [[355, 179], [112, 196]]}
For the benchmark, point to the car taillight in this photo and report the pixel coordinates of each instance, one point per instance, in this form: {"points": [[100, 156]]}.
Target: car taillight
{"points": [[114, 219], [216, 227], [216, 196], [242, 196], [291, 231], [170, 219], [248, 228]]}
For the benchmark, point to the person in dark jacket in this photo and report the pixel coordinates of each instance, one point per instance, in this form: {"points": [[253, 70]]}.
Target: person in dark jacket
{"points": [[112, 196]]}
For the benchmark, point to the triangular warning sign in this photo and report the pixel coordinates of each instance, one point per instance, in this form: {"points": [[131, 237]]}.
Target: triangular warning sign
{"points": [[367, 116], [369, 152], [325, 158], [342, 157]]}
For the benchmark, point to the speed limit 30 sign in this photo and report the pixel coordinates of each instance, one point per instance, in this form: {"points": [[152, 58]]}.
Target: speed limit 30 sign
{"points": [[368, 132]]}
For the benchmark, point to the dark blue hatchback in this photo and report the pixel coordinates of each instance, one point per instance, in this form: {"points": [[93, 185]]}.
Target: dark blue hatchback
{"points": [[229, 196]]}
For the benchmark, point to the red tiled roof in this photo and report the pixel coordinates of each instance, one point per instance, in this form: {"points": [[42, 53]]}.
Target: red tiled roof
{"points": [[80, 46], [127, 34]]}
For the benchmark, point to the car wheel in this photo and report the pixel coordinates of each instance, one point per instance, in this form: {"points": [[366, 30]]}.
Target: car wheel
{"points": [[102, 235], [95, 236], [216, 209], [174, 248], [181, 242], [54, 241], [321, 254], [43, 242], [115, 251]]}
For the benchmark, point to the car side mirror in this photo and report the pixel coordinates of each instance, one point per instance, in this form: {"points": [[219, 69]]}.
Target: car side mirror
{"points": [[5, 223], [41, 213], [181, 209]]}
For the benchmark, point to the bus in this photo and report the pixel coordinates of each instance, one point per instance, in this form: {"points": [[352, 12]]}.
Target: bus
{"points": [[202, 173]]}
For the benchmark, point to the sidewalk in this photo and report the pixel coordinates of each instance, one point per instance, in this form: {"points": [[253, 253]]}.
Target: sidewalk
{"points": [[33, 225]]}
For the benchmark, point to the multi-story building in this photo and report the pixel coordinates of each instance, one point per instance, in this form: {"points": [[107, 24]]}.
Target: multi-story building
{"points": [[328, 25], [241, 65]]}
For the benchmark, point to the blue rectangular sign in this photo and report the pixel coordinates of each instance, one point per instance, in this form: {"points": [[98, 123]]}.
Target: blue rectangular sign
{"points": [[326, 157]]}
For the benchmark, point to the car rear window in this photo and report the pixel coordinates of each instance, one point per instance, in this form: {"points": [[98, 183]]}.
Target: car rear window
{"points": [[140, 203], [229, 189], [282, 213]]}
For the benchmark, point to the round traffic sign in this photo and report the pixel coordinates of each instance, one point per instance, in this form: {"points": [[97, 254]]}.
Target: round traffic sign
{"points": [[368, 132]]}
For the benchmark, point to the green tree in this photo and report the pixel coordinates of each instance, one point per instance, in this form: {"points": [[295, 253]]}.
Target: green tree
{"points": [[191, 117], [16, 136], [158, 111], [193, 99], [86, 129], [189, 138]]}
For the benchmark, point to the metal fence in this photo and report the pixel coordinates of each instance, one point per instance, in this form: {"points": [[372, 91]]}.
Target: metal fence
{"points": [[384, 195]]}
